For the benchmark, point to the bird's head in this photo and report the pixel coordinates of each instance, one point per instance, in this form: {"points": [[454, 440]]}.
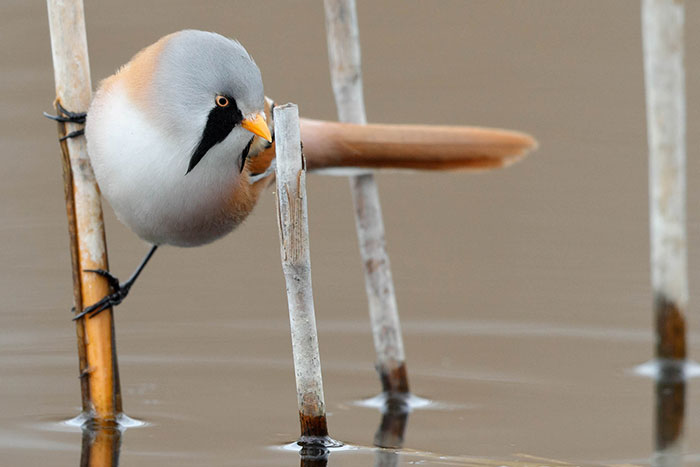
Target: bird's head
{"points": [[209, 90]]}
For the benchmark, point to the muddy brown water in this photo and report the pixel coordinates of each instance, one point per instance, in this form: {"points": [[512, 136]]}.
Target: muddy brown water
{"points": [[524, 293]]}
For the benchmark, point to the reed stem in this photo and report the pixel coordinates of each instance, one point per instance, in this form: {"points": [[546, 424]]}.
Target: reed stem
{"points": [[662, 29], [296, 264], [101, 398], [346, 76]]}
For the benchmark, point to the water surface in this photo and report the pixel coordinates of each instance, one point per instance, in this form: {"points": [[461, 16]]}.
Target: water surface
{"points": [[524, 293]]}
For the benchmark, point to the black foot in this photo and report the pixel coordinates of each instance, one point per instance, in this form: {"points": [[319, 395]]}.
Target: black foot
{"points": [[119, 293], [72, 134], [66, 116]]}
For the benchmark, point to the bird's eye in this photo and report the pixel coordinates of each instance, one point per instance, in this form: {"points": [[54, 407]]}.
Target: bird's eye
{"points": [[222, 101]]}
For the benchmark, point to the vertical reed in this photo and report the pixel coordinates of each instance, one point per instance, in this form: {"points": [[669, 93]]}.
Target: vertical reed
{"points": [[296, 265], [662, 29], [346, 75], [101, 397]]}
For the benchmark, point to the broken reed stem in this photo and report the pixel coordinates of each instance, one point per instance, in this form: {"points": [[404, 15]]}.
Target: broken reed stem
{"points": [[296, 265], [101, 398], [662, 30], [346, 76]]}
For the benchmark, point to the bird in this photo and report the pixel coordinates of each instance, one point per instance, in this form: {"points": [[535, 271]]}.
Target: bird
{"points": [[180, 142]]}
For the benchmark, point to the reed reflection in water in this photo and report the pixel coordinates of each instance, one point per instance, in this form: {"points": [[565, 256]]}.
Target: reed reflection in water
{"points": [[670, 392], [388, 438], [100, 447]]}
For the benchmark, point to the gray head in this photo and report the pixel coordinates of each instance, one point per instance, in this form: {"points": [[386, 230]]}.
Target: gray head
{"points": [[209, 90]]}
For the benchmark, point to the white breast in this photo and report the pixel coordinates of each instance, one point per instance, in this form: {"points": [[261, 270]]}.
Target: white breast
{"points": [[141, 169]]}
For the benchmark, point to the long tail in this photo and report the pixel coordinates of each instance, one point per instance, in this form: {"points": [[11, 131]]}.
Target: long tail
{"points": [[418, 147], [332, 145]]}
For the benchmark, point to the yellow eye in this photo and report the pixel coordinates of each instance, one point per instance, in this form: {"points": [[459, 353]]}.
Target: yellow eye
{"points": [[222, 101]]}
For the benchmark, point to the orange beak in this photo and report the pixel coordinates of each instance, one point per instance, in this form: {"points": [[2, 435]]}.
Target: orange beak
{"points": [[256, 125]]}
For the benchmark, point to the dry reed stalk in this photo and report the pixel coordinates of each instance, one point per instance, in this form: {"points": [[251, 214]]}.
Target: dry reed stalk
{"points": [[662, 28], [346, 76], [296, 265], [101, 396]]}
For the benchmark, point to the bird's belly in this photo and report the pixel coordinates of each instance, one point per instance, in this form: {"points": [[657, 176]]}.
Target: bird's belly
{"points": [[176, 213], [142, 174], [185, 224]]}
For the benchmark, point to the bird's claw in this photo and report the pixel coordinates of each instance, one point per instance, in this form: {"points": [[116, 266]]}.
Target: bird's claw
{"points": [[119, 293], [113, 281], [95, 309], [72, 134], [66, 116]]}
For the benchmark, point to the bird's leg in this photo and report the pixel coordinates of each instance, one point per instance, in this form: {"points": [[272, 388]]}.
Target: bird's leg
{"points": [[66, 116], [119, 291]]}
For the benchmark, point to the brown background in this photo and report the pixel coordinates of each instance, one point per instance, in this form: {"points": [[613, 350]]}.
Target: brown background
{"points": [[524, 293]]}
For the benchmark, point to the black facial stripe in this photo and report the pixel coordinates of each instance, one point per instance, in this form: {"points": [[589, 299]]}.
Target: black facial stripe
{"points": [[220, 122], [268, 144], [245, 152]]}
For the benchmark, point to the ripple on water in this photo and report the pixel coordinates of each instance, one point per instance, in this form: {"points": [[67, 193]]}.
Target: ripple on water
{"points": [[296, 447], [655, 368], [414, 402], [76, 423]]}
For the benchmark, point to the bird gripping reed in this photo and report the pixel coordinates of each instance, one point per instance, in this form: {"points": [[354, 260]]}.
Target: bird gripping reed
{"points": [[101, 398]]}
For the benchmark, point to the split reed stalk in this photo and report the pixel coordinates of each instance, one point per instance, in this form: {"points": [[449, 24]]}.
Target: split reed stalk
{"points": [[346, 76], [662, 29], [296, 265], [101, 398]]}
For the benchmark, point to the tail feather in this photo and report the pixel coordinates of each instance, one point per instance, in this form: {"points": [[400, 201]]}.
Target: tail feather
{"points": [[344, 146], [419, 147]]}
